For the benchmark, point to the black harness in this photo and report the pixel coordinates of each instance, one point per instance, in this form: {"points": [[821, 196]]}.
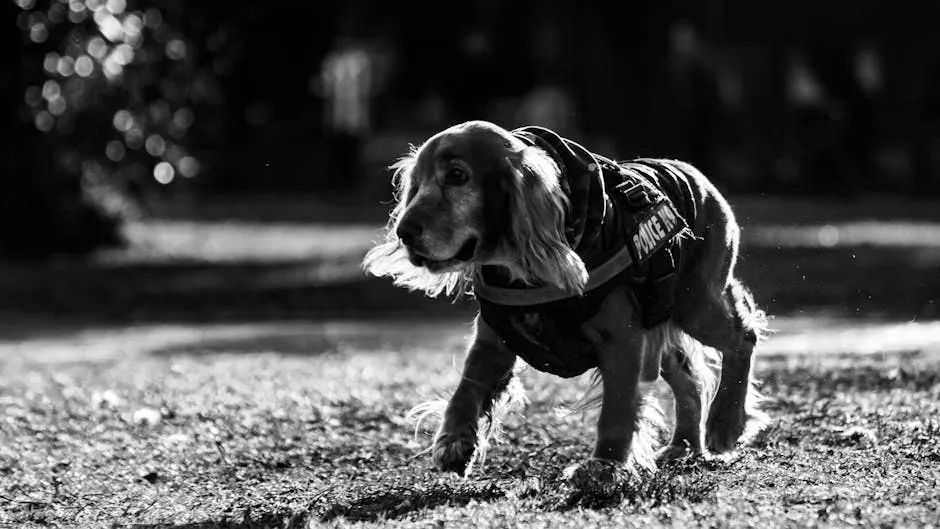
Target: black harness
{"points": [[636, 240]]}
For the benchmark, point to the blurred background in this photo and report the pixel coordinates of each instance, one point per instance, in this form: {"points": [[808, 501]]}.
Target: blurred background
{"points": [[167, 161]]}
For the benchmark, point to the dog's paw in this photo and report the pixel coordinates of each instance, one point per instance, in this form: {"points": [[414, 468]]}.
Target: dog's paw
{"points": [[597, 481], [675, 453], [725, 426], [453, 452]]}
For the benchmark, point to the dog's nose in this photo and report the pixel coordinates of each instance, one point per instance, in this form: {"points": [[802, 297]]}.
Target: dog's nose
{"points": [[408, 232]]}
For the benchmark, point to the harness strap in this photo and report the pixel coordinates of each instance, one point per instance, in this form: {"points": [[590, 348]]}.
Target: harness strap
{"points": [[520, 297]]}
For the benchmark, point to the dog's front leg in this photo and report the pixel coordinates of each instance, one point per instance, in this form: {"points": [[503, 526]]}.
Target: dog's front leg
{"points": [[618, 336], [488, 371], [620, 365]]}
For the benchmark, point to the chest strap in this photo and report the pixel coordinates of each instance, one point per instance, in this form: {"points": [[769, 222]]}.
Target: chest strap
{"points": [[520, 297]]}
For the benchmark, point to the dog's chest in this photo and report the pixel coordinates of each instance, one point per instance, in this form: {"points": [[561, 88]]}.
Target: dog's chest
{"points": [[551, 337], [551, 343]]}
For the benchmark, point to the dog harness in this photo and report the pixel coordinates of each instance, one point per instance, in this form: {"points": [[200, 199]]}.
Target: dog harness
{"points": [[628, 222]]}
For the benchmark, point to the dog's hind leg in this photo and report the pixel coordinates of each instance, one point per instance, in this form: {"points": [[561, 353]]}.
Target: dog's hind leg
{"points": [[625, 426], [715, 309], [487, 384], [687, 439], [731, 324]]}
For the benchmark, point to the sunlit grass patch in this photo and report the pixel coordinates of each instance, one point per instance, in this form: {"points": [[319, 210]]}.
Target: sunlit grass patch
{"points": [[265, 440]]}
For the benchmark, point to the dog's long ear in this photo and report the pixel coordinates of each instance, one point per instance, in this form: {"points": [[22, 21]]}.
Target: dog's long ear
{"points": [[389, 257], [537, 229]]}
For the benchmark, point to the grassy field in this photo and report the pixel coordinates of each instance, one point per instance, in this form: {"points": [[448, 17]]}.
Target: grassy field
{"points": [[243, 374], [272, 440]]}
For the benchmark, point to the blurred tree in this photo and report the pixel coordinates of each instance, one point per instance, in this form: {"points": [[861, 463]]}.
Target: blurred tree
{"points": [[99, 104], [42, 210]]}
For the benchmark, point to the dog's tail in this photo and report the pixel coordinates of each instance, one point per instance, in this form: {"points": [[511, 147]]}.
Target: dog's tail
{"points": [[753, 319]]}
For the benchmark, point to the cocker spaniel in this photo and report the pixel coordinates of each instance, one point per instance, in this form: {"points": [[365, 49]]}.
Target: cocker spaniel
{"points": [[579, 262]]}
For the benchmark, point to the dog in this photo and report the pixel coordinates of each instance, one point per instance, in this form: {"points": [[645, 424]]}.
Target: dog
{"points": [[579, 262]]}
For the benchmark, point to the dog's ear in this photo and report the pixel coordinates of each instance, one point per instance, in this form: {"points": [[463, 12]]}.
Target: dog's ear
{"points": [[537, 208], [402, 182]]}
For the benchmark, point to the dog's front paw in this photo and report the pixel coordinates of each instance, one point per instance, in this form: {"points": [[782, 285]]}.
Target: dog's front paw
{"points": [[597, 481], [453, 452], [675, 453], [725, 427]]}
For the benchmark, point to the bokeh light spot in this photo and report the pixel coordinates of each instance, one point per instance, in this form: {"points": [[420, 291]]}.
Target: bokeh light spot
{"points": [[97, 48], [174, 153], [176, 49], [183, 118], [44, 121], [164, 173], [189, 166], [38, 33], [76, 6], [134, 138], [116, 7], [156, 145], [84, 66], [133, 31], [57, 13], [110, 27], [57, 106], [33, 96], [51, 90], [26, 5], [115, 151], [123, 120], [66, 66], [77, 17], [51, 63], [123, 54], [112, 68], [153, 18], [828, 236]]}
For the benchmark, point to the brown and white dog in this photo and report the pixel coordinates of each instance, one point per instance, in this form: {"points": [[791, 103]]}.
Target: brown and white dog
{"points": [[478, 201]]}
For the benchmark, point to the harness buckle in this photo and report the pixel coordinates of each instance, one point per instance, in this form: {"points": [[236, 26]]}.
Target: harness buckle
{"points": [[637, 194]]}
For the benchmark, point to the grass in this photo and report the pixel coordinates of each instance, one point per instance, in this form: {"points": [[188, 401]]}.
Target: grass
{"points": [[265, 440], [144, 388]]}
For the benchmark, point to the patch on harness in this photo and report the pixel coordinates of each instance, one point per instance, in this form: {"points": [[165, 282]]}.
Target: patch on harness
{"points": [[654, 230]]}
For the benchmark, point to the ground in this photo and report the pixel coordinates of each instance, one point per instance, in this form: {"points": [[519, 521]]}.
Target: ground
{"points": [[244, 374]]}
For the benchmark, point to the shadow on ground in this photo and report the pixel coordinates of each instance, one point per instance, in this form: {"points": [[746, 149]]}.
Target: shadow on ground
{"points": [[207, 292], [876, 282], [799, 258]]}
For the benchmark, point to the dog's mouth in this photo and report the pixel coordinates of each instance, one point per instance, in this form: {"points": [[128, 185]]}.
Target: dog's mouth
{"points": [[467, 251], [464, 254]]}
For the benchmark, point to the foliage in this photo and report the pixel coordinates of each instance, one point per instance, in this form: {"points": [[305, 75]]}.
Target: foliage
{"points": [[116, 87]]}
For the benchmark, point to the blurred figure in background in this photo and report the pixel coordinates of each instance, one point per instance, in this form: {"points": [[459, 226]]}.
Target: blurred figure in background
{"points": [[839, 118], [550, 104], [347, 84], [550, 100], [695, 99]]}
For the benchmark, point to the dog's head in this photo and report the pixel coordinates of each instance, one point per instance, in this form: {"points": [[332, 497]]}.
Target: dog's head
{"points": [[475, 195]]}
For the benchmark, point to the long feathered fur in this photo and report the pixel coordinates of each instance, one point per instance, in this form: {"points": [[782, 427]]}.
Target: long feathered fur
{"points": [[389, 257], [489, 428], [537, 235], [538, 252], [651, 426]]}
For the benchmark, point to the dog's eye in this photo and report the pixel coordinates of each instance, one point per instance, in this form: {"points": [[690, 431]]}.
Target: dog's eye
{"points": [[456, 177]]}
